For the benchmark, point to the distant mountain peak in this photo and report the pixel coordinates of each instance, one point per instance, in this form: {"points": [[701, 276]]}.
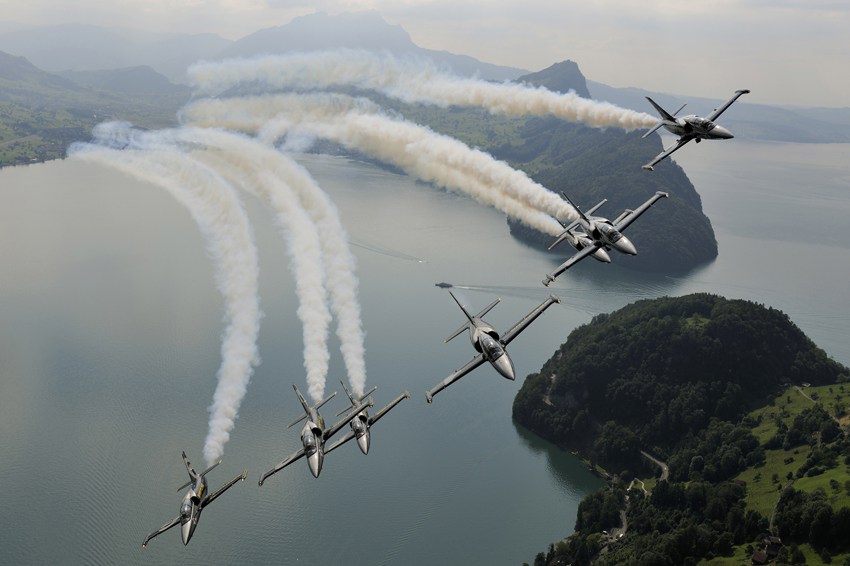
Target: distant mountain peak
{"points": [[560, 77], [356, 30], [19, 69]]}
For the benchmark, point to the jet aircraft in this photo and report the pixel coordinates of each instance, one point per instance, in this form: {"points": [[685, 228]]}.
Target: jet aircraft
{"points": [[599, 235], [314, 435], [362, 423], [691, 127], [195, 501], [487, 342]]}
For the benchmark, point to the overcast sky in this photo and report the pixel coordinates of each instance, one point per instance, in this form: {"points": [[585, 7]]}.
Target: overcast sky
{"points": [[786, 51]]}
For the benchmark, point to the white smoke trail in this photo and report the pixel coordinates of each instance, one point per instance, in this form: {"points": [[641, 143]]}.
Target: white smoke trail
{"points": [[244, 163], [219, 214], [418, 150], [409, 80], [292, 191]]}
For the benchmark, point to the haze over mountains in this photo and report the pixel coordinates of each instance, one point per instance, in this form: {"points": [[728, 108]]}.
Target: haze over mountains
{"points": [[82, 47]]}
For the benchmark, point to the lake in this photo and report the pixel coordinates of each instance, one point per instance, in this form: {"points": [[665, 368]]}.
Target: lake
{"points": [[110, 335]]}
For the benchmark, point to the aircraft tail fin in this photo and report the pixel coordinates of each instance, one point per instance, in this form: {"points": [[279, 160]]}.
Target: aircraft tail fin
{"points": [[193, 475], [580, 213], [665, 116], [351, 398], [663, 113], [465, 325]]}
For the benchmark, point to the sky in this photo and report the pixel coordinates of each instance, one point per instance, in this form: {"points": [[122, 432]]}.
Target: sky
{"points": [[791, 52]]}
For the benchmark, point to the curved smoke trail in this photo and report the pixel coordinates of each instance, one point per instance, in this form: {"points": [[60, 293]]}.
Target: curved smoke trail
{"points": [[411, 80], [218, 212], [416, 149], [291, 187], [244, 163]]}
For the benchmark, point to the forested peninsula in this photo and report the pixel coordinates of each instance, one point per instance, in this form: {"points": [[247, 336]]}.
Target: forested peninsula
{"points": [[743, 411]]}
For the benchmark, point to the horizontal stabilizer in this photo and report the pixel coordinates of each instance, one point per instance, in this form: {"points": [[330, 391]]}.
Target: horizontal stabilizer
{"points": [[457, 332], [488, 308], [560, 238], [296, 421], [325, 400], [653, 129]]}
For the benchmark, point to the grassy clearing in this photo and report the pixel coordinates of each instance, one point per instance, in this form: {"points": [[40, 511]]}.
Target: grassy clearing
{"points": [[763, 490], [833, 482]]}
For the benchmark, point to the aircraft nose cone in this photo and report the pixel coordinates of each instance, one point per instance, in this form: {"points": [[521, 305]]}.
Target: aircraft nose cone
{"points": [[722, 133], [186, 530], [363, 443], [626, 246], [315, 463], [505, 366], [602, 255]]}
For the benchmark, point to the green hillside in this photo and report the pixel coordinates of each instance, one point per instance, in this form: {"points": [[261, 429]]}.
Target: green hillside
{"points": [[41, 113], [705, 384]]}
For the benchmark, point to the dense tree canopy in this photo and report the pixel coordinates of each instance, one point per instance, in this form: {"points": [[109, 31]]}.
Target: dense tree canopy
{"points": [[664, 368]]}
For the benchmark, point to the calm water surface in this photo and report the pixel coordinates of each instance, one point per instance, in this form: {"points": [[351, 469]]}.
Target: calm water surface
{"points": [[110, 335]]}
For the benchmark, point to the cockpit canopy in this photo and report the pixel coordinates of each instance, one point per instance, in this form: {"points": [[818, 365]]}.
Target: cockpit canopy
{"points": [[611, 233], [308, 439], [491, 347], [186, 508], [702, 123]]}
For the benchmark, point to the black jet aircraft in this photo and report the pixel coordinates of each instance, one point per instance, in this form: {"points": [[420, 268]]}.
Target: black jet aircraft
{"points": [[690, 127], [195, 501], [599, 235], [314, 435], [487, 342], [362, 423]]}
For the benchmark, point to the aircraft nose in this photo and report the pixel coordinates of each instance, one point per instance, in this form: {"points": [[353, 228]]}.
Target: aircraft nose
{"points": [[363, 443], [602, 255], [505, 366], [626, 246], [722, 133], [315, 463], [186, 531]]}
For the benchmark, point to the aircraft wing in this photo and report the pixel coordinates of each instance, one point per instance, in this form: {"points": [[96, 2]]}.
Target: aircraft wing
{"points": [[625, 222], [282, 465], [471, 365], [224, 488], [162, 529], [528, 319], [377, 416], [666, 153], [346, 419], [577, 257], [718, 111]]}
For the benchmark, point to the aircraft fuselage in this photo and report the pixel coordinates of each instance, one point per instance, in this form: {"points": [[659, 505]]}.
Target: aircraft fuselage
{"points": [[698, 128], [580, 240], [603, 230], [360, 426], [190, 509], [313, 442], [485, 340]]}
